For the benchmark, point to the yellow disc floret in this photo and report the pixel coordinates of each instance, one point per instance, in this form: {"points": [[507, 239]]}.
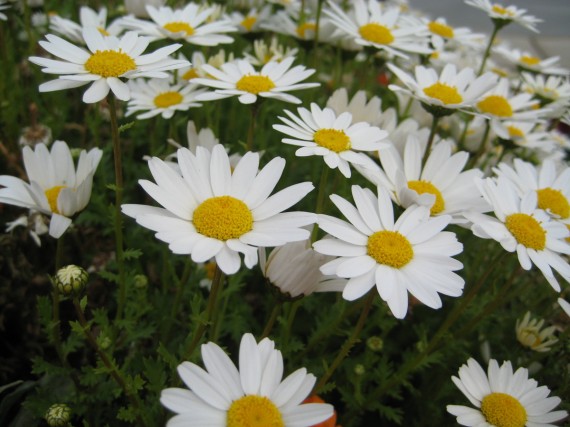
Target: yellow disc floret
{"points": [[333, 139], [248, 22], [190, 74], [554, 201], [515, 132], [254, 411], [503, 410], [222, 218], [52, 194], [376, 33], [167, 99], [179, 27], [529, 60], [390, 248], [441, 29], [500, 10], [303, 28], [526, 230], [110, 63], [445, 93], [255, 84], [496, 105], [422, 187]]}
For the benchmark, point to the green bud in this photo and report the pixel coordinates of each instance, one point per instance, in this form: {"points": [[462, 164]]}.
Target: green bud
{"points": [[71, 280], [375, 343], [359, 369], [140, 281], [58, 415], [104, 341]]}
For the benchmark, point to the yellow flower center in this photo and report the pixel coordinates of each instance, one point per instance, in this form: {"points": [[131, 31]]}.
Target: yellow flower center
{"points": [[167, 99], [179, 27], [434, 55], [568, 238], [529, 337], [441, 29], [303, 28], [515, 132], [103, 31], [390, 248], [526, 230], [376, 33], [110, 63], [503, 410], [496, 105], [553, 200], [190, 74], [333, 139], [222, 218], [249, 22], [529, 60], [422, 187], [52, 194], [499, 72], [255, 84], [445, 93], [254, 411], [502, 11]]}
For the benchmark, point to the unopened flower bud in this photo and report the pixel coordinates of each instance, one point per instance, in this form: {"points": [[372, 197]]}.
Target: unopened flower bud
{"points": [[58, 415], [71, 280], [141, 281], [375, 343], [359, 369]]}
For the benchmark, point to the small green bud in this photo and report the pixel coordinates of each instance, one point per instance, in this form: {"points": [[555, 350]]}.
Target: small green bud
{"points": [[359, 369], [71, 280], [104, 341], [58, 415], [140, 281], [375, 343]]}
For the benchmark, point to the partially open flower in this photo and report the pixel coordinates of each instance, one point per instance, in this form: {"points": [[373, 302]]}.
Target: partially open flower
{"points": [[58, 415], [530, 334], [71, 280]]}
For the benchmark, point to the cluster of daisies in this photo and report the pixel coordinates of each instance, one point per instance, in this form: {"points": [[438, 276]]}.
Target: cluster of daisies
{"points": [[471, 142]]}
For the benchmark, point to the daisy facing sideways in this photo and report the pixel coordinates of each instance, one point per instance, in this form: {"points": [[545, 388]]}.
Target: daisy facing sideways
{"points": [[210, 211], [504, 15], [503, 398], [253, 394], [409, 254], [109, 59], [56, 187]]}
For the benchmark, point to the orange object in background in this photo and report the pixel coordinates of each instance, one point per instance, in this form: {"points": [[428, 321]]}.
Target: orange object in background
{"points": [[331, 422]]}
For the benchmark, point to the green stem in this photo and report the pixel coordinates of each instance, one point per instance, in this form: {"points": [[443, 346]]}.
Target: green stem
{"points": [[482, 146], [119, 251], [271, 321], [320, 199], [431, 137], [461, 142], [251, 131], [286, 332], [348, 343], [488, 49], [317, 26], [181, 283]]}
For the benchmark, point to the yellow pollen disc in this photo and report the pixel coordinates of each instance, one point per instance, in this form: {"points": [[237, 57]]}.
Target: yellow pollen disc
{"points": [[52, 194], [515, 132], [254, 411], [190, 74], [110, 63], [529, 60], [222, 218], [422, 187], [496, 105], [179, 27], [376, 33], [553, 200], [303, 28], [333, 139], [502, 11], [167, 99], [434, 55], [441, 29], [103, 31], [445, 93], [249, 22], [390, 248], [503, 410], [499, 72], [255, 84], [530, 338], [526, 230]]}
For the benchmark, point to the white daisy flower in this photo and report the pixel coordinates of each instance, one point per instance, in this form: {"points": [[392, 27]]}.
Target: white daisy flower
{"points": [[529, 62], [138, 7], [321, 133], [264, 53], [564, 305], [252, 21], [531, 334], [520, 226], [160, 97], [361, 110], [34, 222], [253, 394], [190, 24], [198, 59], [553, 92], [241, 79], [503, 398], [506, 14], [528, 135], [372, 25], [211, 212], [411, 254], [448, 91], [56, 187], [109, 60], [441, 31], [87, 18], [3, 6]]}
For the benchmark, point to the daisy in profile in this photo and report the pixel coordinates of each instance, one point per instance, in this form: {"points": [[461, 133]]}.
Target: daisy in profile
{"points": [[551, 91], [194, 68], [526, 61], [531, 334], [503, 398], [449, 91], [109, 59], [190, 24], [239, 78], [504, 15], [56, 188], [380, 28], [87, 18], [441, 31], [252, 21], [272, 52], [336, 138], [410, 254], [528, 135], [210, 211], [520, 226], [160, 97], [253, 394]]}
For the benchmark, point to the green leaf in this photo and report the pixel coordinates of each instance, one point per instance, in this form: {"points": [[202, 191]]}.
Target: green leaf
{"points": [[132, 253], [126, 126]]}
